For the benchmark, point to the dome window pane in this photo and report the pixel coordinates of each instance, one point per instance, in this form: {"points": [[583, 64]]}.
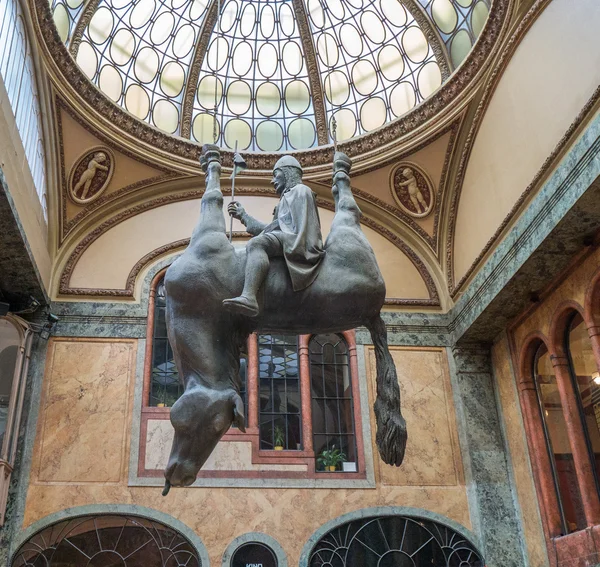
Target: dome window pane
{"points": [[351, 40], [87, 59], [267, 21], [203, 127], [171, 78], [61, 20], [206, 91], [137, 101], [111, 83], [162, 28], [444, 15], [269, 136], [238, 131], [373, 27], [267, 60], [101, 25]]}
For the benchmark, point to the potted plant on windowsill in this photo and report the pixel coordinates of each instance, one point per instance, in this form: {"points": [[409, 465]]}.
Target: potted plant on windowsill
{"points": [[278, 438], [329, 459]]}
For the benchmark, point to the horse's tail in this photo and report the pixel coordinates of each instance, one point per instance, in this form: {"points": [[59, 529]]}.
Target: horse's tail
{"points": [[391, 427]]}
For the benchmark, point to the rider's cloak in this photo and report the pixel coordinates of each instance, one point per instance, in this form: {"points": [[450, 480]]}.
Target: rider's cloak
{"points": [[297, 226]]}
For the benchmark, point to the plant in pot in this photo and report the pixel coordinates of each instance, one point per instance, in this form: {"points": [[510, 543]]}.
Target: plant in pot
{"points": [[278, 438], [330, 459]]}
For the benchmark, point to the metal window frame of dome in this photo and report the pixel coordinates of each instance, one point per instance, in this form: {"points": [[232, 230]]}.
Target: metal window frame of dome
{"points": [[367, 150]]}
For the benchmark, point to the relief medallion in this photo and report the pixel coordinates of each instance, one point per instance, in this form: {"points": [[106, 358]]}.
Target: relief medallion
{"points": [[90, 175], [412, 189]]}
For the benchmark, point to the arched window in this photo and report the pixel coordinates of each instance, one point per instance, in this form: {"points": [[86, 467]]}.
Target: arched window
{"points": [[586, 384], [98, 541], [334, 438], [395, 540], [15, 344], [18, 74], [557, 443], [280, 404], [165, 387]]}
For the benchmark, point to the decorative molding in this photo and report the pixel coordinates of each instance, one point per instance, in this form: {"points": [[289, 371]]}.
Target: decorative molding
{"points": [[437, 45], [314, 73], [84, 19], [424, 184], [128, 290], [427, 113], [187, 106], [492, 83], [107, 198]]}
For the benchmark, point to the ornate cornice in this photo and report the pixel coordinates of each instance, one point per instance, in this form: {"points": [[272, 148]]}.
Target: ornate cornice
{"points": [[84, 19], [368, 146], [77, 253], [191, 85], [314, 74], [493, 81], [437, 45]]}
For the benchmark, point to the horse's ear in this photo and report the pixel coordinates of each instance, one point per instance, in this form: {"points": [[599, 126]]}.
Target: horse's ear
{"points": [[238, 413]]}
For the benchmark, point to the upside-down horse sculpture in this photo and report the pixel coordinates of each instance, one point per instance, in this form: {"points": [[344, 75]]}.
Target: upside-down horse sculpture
{"points": [[285, 281]]}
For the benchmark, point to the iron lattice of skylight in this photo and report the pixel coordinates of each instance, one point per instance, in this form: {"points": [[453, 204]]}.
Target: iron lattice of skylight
{"points": [[240, 70]]}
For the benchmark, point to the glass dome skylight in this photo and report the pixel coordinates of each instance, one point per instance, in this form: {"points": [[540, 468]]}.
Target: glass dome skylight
{"points": [[281, 72]]}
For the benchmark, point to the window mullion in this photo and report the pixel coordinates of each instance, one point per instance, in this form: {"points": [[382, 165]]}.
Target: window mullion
{"points": [[305, 393], [253, 383]]}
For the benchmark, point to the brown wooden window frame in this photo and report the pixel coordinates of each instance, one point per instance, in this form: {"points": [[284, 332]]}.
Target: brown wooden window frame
{"points": [[305, 456]]}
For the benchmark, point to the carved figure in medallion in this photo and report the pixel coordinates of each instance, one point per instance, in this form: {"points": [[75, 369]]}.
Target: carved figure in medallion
{"points": [[412, 190], [340, 287], [90, 175]]}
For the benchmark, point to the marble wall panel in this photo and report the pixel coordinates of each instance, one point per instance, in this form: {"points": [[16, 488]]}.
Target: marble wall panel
{"points": [[219, 515], [432, 454], [521, 466], [227, 456], [84, 420]]}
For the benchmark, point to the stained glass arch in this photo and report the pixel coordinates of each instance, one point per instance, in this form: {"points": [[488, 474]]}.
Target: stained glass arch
{"points": [[269, 75], [392, 540], [107, 539]]}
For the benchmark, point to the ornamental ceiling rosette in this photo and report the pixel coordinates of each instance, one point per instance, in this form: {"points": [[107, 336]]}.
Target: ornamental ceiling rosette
{"points": [[273, 75]]}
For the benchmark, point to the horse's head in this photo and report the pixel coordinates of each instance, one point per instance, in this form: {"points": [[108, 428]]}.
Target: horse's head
{"points": [[200, 417]]}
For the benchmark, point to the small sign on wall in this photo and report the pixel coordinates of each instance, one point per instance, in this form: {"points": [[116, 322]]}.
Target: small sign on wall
{"points": [[254, 555]]}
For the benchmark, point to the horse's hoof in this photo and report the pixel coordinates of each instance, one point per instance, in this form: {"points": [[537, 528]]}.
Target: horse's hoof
{"points": [[242, 306]]}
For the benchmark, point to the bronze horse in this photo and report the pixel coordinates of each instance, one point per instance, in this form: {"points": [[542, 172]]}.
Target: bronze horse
{"points": [[348, 292]]}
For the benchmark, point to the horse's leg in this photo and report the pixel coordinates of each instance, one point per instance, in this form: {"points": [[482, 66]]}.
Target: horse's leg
{"points": [[391, 427], [211, 206], [346, 209]]}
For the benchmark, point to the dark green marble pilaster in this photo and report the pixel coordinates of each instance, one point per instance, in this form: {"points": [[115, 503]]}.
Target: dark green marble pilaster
{"points": [[494, 509]]}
